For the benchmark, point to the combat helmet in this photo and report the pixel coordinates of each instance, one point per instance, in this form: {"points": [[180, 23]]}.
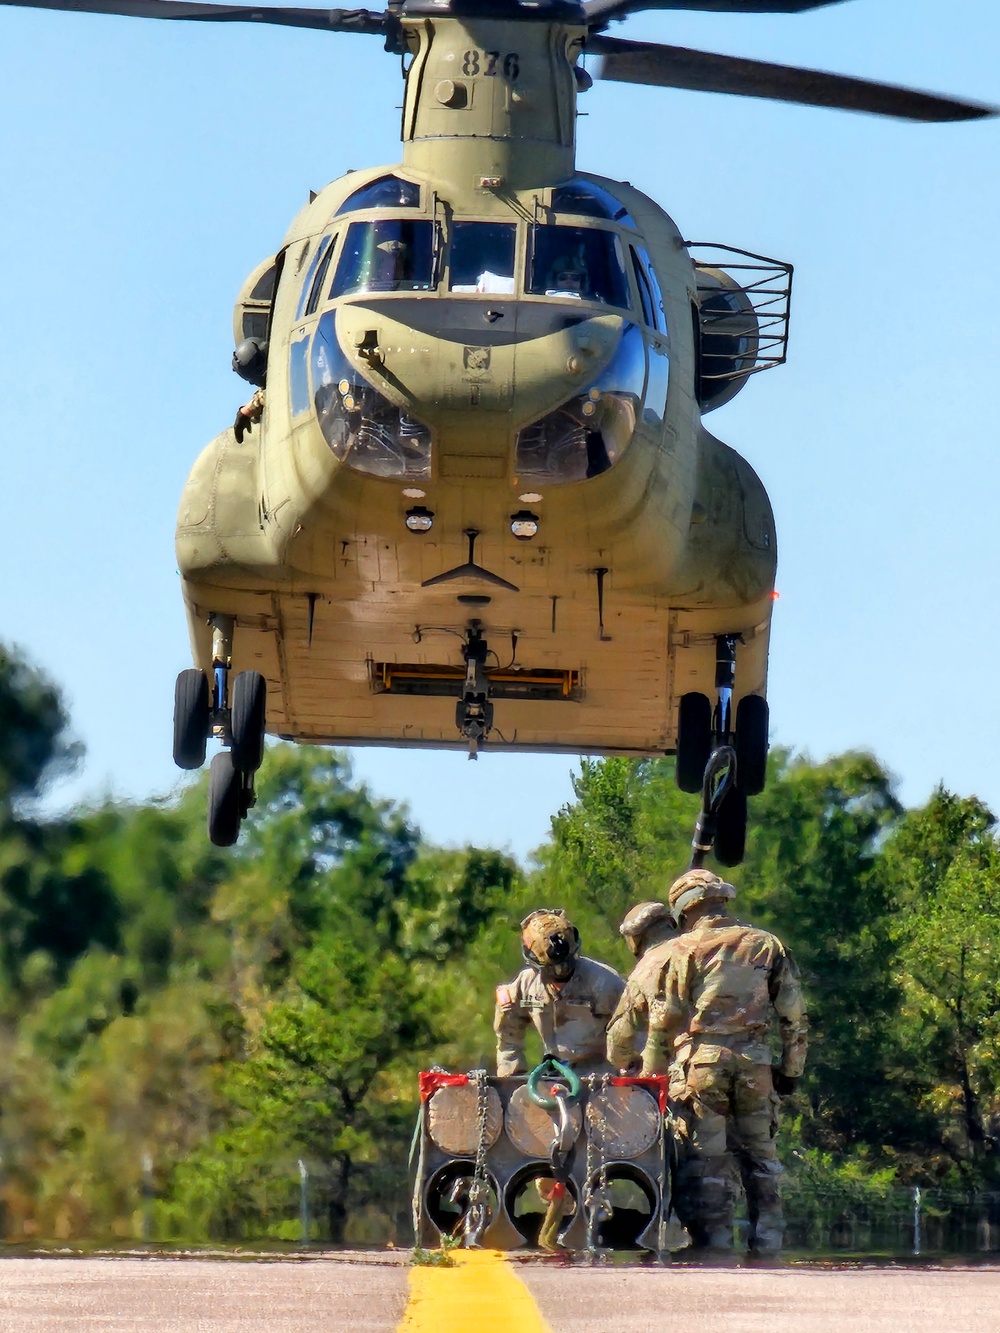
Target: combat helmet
{"points": [[550, 942], [643, 918], [697, 886], [569, 272]]}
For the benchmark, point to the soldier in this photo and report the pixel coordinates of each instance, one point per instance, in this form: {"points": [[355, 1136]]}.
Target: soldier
{"points": [[723, 982], [568, 998], [648, 929]]}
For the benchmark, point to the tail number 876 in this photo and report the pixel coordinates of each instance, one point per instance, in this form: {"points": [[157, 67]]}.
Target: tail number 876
{"points": [[491, 63]]}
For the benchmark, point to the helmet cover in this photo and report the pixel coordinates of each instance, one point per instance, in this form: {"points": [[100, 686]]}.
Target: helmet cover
{"points": [[697, 886], [550, 941], [638, 919]]}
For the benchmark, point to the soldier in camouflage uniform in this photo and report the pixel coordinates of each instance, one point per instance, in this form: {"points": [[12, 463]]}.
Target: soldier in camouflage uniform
{"points": [[567, 998], [648, 929], [722, 983]]}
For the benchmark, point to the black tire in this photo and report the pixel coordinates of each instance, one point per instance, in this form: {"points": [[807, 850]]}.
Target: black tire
{"points": [[247, 720], [751, 743], [225, 786], [694, 740], [192, 718], [731, 828]]}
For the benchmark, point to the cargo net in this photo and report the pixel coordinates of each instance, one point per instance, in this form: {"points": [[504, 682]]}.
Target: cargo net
{"points": [[743, 307]]}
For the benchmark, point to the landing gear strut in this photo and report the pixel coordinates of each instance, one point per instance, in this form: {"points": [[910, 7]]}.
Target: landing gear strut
{"points": [[235, 714], [726, 763], [474, 712]]}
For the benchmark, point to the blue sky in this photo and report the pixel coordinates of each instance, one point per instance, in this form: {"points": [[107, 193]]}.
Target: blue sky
{"points": [[147, 167]]}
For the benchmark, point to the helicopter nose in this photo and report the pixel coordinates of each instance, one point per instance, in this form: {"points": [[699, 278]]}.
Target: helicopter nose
{"points": [[450, 358]]}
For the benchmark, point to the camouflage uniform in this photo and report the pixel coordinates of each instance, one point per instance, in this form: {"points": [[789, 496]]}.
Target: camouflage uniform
{"points": [[720, 982], [649, 930], [571, 1016]]}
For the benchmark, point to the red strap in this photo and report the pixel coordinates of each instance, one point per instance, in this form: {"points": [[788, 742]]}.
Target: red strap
{"points": [[657, 1084], [432, 1079]]}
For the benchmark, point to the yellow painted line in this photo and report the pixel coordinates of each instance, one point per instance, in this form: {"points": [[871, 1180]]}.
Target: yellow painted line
{"points": [[482, 1292]]}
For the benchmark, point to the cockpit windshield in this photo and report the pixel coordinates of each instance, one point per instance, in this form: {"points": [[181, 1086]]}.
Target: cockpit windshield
{"points": [[386, 192], [482, 257], [578, 263], [387, 255], [591, 201]]}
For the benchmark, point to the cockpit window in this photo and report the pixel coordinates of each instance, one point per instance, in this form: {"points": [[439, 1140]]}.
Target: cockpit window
{"points": [[579, 196], [264, 286], [307, 286], [578, 263], [386, 192], [649, 289], [589, 433], [388, 255], [363, 428], [319, 282], [482, 257]]}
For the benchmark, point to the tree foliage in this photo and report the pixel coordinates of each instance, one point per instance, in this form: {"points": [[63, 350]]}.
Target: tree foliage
{"points": [[181, 1026], [33, 724]]}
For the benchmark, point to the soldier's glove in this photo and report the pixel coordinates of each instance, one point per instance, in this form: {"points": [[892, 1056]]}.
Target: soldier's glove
{"points": [[248, 415], [784, 1084]]}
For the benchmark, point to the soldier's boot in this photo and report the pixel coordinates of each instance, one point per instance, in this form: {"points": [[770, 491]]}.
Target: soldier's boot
{"points": [[705, 1203], [767, 1222]]}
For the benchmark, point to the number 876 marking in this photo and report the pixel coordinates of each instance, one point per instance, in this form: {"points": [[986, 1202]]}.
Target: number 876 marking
{"points": [[486, 62]]}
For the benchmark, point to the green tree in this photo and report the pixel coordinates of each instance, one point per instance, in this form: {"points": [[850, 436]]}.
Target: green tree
{"points": [[945, 865], [347, 939], [331, 1082], [33, 726]]}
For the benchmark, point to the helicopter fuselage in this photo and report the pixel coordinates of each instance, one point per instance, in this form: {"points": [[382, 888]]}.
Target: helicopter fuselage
{"points": [[482, 409]]}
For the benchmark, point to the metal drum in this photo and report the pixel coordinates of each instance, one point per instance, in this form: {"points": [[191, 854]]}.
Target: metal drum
{"points": [[531, 1128], [623, 1122], [453, 1119]]}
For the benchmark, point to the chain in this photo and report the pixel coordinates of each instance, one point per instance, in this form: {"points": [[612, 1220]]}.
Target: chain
{"points": [[480, 1185], [588, 1193], [602, 1179], [596, 1201], [478, 1213]]}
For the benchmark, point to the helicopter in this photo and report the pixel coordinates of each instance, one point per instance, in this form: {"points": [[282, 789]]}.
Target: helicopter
{"points": [[479, 506]]}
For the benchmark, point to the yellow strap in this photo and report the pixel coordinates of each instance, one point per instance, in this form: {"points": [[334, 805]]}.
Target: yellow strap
{"points": [[482, 1292]]}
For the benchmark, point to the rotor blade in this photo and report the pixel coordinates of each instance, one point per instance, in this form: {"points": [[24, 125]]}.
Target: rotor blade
{"points": [[330, 20], [600, 12], [702, 71]]}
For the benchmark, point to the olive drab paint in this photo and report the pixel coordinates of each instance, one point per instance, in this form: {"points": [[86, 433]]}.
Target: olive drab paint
{"points": [[645, 548]]}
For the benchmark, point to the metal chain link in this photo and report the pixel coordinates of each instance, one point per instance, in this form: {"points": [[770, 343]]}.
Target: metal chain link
{"points": [[602, 1180], [588, 1193], [596, 1202], [478, 1213]]}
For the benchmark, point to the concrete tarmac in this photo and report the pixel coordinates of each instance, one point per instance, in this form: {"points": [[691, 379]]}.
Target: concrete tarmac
{"points": [[369, 1292]]}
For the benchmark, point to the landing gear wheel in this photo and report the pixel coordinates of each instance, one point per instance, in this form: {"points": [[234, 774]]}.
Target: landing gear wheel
{"points": [[249, 696], [225, 792], [731, 828], [192, 719], [694, 740], [751, 743]]}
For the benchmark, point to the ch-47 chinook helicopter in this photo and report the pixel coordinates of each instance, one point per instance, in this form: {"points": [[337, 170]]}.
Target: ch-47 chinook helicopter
{"points": [[480, 503]]}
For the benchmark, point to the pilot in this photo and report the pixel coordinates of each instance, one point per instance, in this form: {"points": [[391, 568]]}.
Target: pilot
{"points": [[723, 983], [392, 264], [648, 929], [568, 276], [567, 998]]}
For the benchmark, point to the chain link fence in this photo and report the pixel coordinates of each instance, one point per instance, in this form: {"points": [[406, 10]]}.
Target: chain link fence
{"points": [[903, 1222]]}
